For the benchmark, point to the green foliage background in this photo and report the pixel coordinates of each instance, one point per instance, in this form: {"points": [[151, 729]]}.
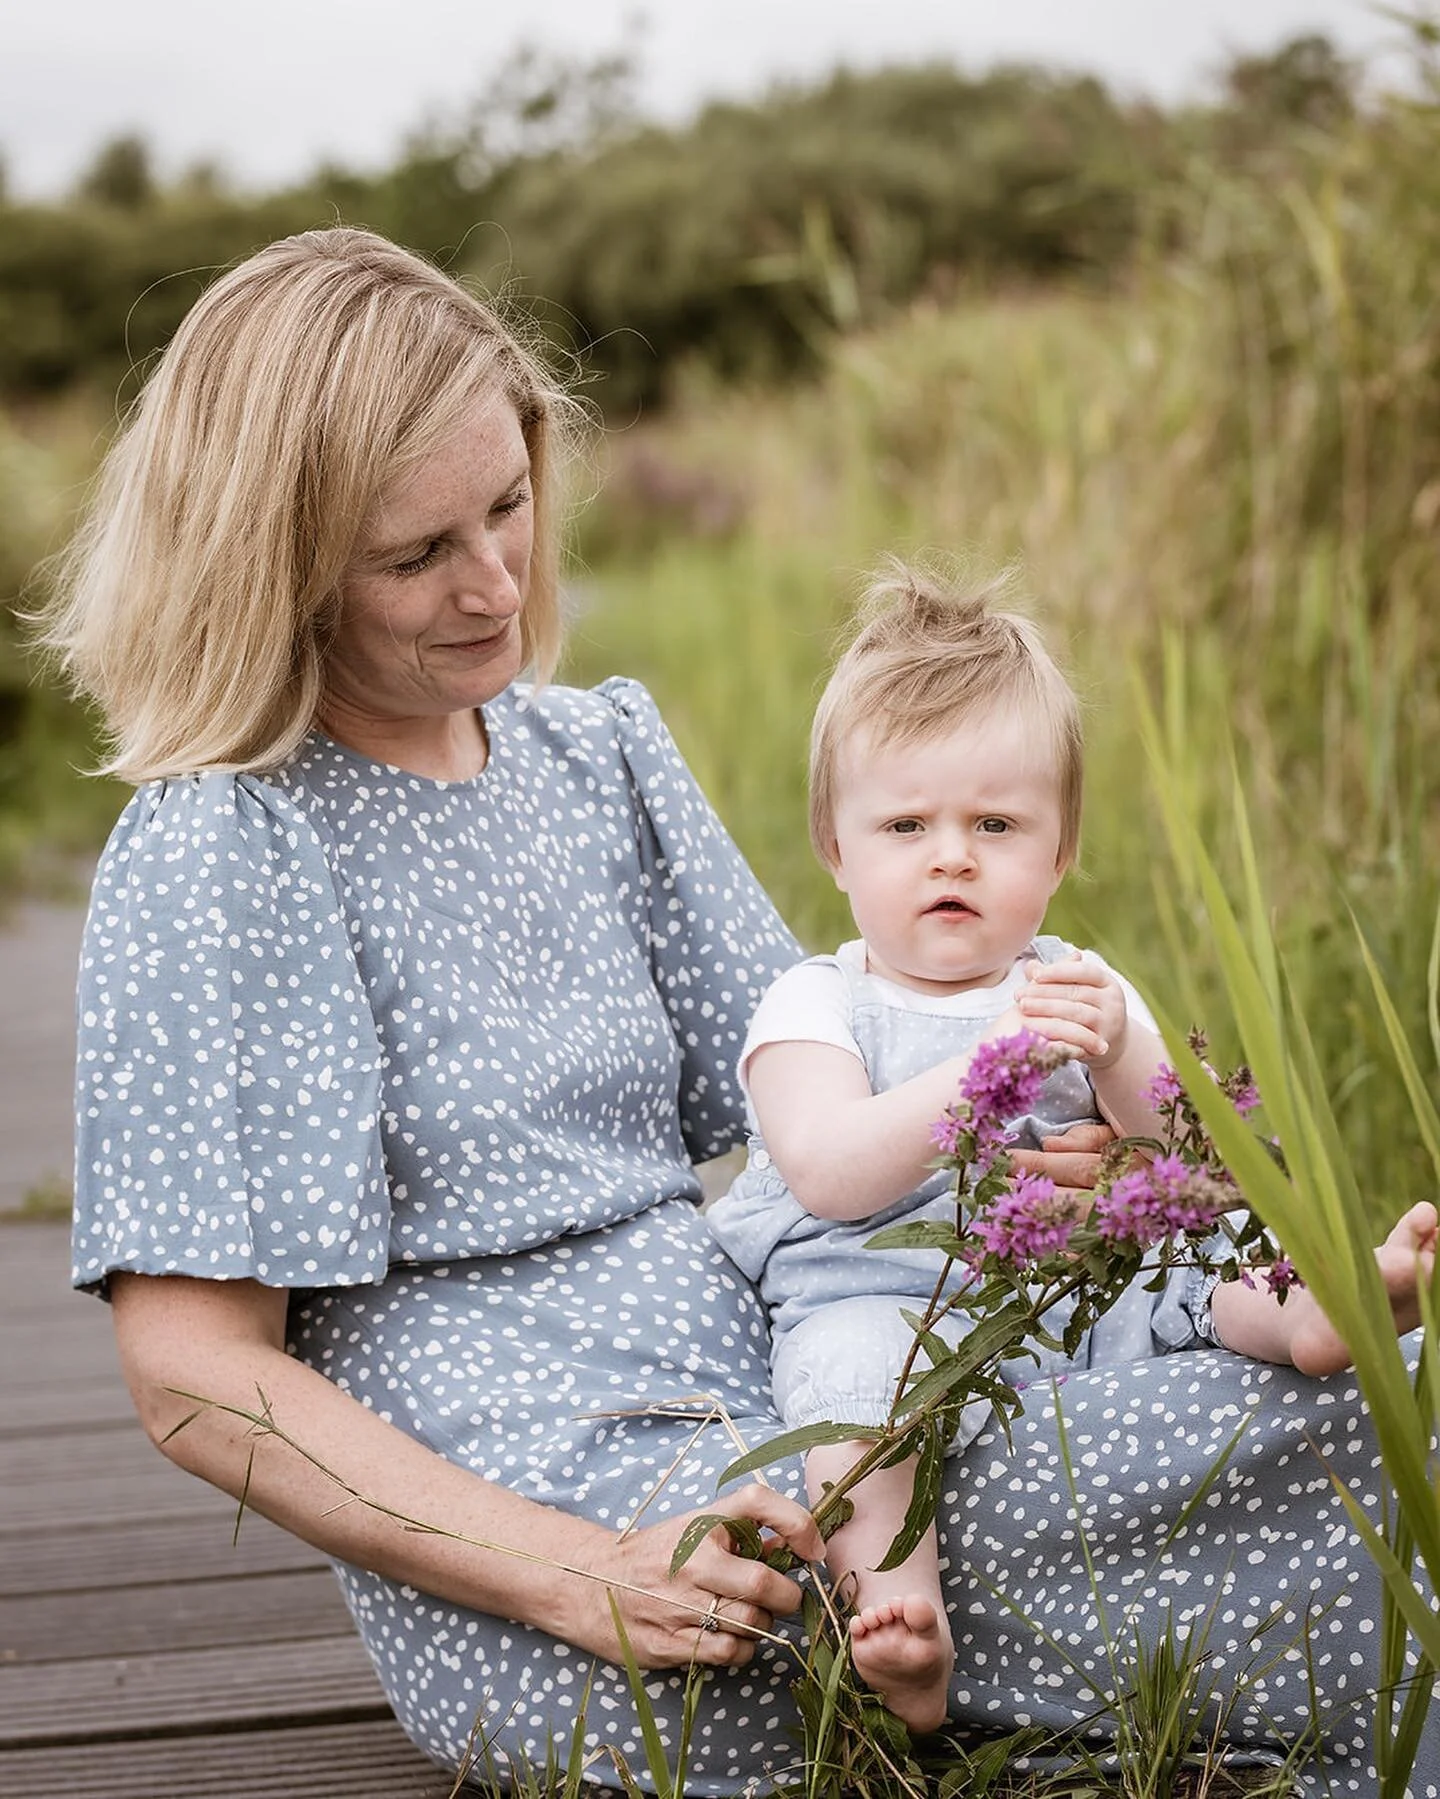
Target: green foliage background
{"points": [[1184, 367]]}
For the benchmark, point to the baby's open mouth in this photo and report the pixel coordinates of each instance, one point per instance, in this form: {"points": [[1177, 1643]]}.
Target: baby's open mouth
{"points": [[956, 907]]}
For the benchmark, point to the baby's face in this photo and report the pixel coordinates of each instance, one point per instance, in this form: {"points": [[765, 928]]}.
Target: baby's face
{"points": [[949, 849]]}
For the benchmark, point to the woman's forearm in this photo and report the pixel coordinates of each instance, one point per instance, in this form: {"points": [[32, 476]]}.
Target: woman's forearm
{"points": [[358, 1487], [223, 1343]]}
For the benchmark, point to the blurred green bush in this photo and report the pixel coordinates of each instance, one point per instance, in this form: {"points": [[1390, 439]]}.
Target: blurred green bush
{"points": [[744, 239]]}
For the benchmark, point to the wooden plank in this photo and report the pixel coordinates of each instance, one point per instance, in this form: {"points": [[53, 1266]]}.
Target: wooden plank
{"points": [[108, 1499], [36, 1254], [198, 1614], [97, 1477], [142, 1656], [66, 1359], [64, 1402], [86, 1452], [352, 1761], [74, 1323], [137, 1555], [129, 1698]]}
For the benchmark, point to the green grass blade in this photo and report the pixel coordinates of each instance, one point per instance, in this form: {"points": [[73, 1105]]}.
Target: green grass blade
{"points": [[1432, 996], [1426, 1117], [649, 1725]]}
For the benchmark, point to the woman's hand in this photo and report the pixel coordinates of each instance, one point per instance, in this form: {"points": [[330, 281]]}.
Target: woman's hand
{"points": [[1071, 1159], [224, 1341], [710, 1610]]}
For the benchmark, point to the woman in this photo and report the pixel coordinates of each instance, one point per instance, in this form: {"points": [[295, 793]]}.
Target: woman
{"points": [[408, 996]]}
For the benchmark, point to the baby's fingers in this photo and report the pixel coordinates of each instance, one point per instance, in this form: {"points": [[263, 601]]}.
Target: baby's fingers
{"points": [[1073, 1026]]}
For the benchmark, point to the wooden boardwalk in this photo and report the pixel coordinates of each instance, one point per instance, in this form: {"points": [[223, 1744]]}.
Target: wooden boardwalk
{"points": [[141, 1655]]}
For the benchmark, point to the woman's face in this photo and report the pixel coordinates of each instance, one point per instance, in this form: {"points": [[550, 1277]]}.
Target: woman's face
{"points": [[430, 602]]}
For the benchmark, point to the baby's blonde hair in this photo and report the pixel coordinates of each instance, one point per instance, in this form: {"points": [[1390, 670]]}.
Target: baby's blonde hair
{"points": [[198, 599], [927, 655]]}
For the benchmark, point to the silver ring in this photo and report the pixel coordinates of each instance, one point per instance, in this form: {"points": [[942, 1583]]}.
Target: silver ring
{"points": [[711, 1621]]}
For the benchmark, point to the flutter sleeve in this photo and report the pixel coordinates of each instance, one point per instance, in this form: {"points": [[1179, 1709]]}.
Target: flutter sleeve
{"points": [[228, 1069], [716, 941]]}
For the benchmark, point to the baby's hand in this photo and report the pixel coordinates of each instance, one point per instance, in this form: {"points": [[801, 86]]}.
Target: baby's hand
{"points": [[1078, 1003], [1008, 1024]]}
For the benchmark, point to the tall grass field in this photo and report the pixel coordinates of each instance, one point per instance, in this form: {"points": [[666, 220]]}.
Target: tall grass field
{"points": [[1222, 488], [1219, 480]]}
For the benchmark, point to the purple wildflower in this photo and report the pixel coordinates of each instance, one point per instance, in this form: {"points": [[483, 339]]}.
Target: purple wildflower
{"points": [[947, 1131], [1155, 1202], [1280, 1276], [1165, 1090], [990, 1139], [1031, 1221], [1005, 1076], [1244, 1096]]}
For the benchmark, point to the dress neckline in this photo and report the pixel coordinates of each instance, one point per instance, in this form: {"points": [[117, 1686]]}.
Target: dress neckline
{"points": [[495, 739]]}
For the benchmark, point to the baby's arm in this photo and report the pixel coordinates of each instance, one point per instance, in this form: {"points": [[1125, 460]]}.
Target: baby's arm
{"points": [[1252, 1321], [1078, 1002], [843, 1151]]}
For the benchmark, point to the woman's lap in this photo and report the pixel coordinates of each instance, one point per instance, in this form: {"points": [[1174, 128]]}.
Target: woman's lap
{"points": [[1084, 1529], [1269, 1544]]}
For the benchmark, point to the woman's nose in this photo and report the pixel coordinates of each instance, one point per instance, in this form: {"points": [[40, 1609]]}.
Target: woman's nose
{"points": [[487, 585]]}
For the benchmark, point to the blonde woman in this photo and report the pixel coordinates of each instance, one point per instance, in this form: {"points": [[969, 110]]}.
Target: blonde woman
{"points": [[410, 992]]}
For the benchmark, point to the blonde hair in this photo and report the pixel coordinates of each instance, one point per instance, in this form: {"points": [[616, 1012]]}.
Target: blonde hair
{"points": [[197, 601], [926, 654]]}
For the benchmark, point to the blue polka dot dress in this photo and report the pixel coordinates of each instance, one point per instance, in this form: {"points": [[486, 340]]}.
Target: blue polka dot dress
{"points": [[439, 1057]]}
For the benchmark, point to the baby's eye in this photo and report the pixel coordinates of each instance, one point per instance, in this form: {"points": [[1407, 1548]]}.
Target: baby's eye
{"points": [[905, 827], [994, 827]]}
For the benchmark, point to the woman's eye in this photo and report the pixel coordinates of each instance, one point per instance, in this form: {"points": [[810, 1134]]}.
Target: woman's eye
{"points": [[418, 564], [513, 502]]}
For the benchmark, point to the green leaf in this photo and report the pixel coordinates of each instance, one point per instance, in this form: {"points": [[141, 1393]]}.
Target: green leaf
{"points": [[745, 1538], [991, 1339], [918, 1233], [793, 1442], [924, 1498]]}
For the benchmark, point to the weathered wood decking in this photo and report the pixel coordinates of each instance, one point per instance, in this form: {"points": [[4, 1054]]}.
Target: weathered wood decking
{"points": [[141, 1655]]}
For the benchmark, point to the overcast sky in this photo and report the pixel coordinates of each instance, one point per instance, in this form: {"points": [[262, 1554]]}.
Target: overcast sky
{"points": [[268, 88]]}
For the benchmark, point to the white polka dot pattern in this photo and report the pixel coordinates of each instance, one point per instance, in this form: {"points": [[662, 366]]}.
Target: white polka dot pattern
{"points": [[438, 1055]]}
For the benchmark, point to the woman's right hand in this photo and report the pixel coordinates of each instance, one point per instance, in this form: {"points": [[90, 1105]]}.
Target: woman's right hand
{"points": [[665, 1617], [1071, 1159]]}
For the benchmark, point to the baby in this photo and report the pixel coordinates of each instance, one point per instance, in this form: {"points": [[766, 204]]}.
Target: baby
{"points": [[945, 792]]}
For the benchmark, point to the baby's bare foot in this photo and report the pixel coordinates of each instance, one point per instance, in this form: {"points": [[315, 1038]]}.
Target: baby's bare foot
{"points": [[902, 1648]]}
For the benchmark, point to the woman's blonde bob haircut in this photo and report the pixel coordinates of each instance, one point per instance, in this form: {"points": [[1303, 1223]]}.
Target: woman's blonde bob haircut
{"points": [[197, 600], [928, 655]]}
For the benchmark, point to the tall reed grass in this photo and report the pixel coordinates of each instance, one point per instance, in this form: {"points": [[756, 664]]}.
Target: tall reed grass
{"points": [[1223, 484], [1227, 477], [49, 816]]}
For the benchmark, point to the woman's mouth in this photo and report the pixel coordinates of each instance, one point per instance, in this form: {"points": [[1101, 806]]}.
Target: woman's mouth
{"points": [[476, 644]]}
